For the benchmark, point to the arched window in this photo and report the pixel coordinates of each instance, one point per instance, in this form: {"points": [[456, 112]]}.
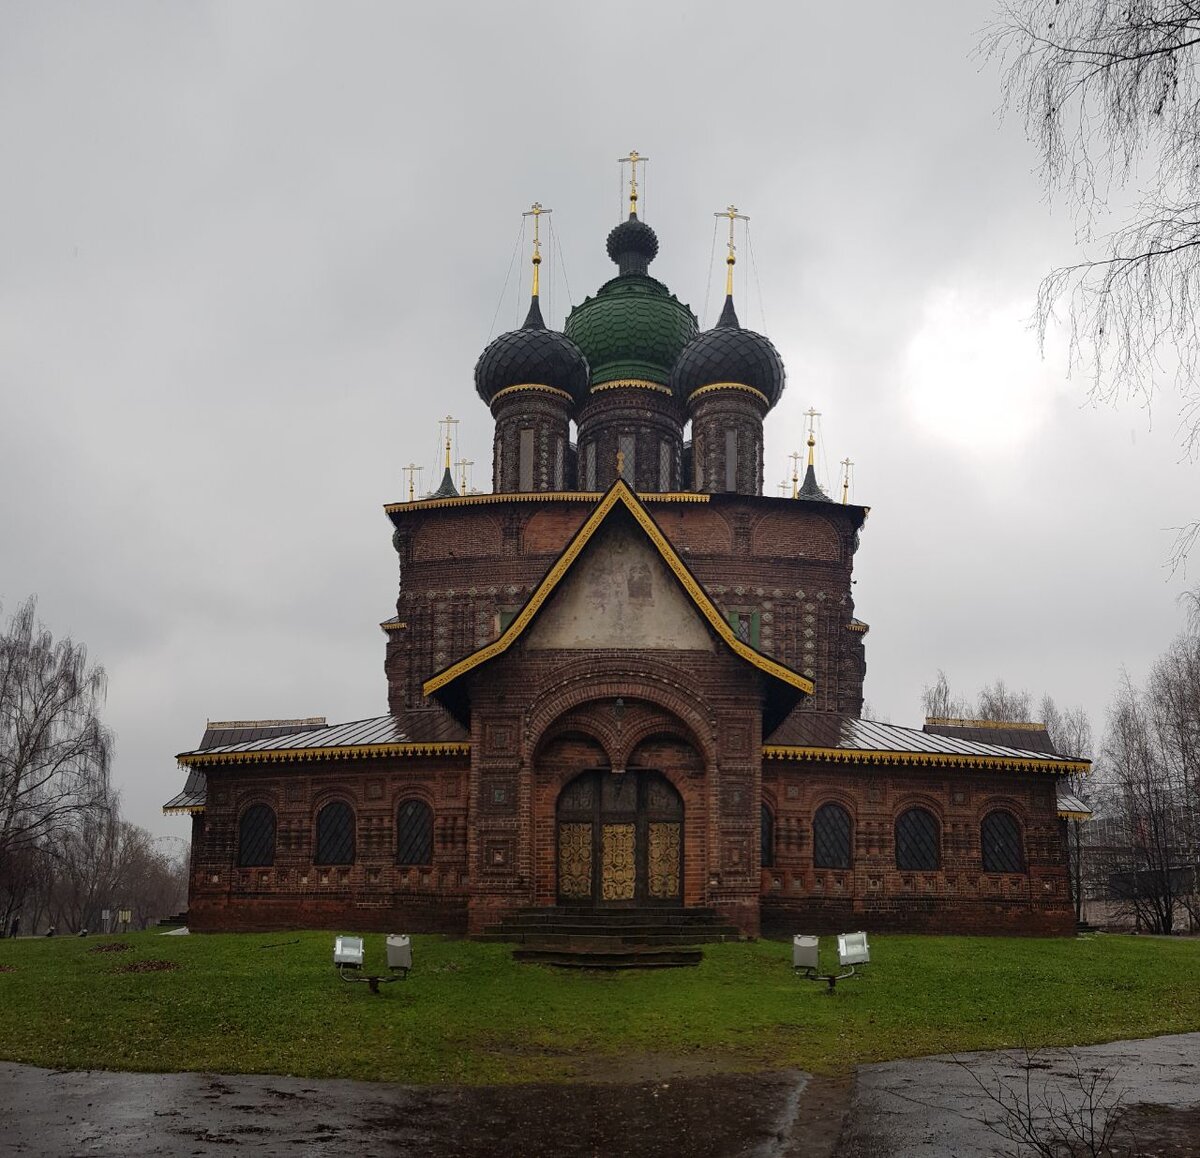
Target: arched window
{"points": [[414, 833], [918, 844], [1000, 840], [831, 837], [335, 834], [256, 836], [767, 837]]}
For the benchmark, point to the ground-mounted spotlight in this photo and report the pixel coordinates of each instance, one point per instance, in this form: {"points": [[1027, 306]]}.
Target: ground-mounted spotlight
{"points": [[348, 953], [852, 950]]}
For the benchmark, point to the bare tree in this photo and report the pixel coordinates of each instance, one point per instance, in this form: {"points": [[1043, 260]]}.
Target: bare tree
{"points": [[55, 753], [1110, 96], [1070, 733]]}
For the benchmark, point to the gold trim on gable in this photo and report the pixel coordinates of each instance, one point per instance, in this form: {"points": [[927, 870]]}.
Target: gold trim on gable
{"points": [[636, 383], [393, 625], [618, 493], [542, 497], [522, 387], [1066, 814], [183, 810], [730, 386], [341, 752], [924, 759]]}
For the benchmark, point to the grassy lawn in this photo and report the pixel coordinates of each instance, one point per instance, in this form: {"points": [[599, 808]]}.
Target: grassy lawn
{"points": [[272, 1003]]}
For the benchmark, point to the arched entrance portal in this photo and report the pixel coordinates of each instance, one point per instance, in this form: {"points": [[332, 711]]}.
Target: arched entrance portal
{"points": [[620, 840]]}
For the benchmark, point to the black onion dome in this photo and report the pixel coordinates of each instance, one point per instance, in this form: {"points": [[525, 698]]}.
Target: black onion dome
{"points": [[532, 356], [633, 245], [727, 353]]}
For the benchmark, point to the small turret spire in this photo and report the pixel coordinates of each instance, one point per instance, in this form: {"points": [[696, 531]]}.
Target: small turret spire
{"points": [[812, 416], [846, 465]]}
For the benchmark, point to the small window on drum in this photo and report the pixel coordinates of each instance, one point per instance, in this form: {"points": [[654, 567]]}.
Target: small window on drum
{"points": [[1000, 838], [767, 837], [335, 834], [414, 833], [918, 843], [831, 837], [256, 837]]}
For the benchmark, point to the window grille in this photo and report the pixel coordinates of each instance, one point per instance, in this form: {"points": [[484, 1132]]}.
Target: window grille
{"points": [[664, 466], [831, 837], [1000, 838], [917, 843], [256, 836], [767, 838], [335, 834], [731, 463], [525, 461], [414, 833], [558, 464], [627, 445], [589, 466]]}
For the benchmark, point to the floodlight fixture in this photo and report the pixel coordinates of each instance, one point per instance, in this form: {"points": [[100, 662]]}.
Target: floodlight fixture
{"points": [[348, 953], [852, 950]]}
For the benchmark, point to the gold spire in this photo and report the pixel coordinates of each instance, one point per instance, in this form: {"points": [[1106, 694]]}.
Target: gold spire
{"points": [[413, 471], [635, 158], [795, 457], [733, 215], [449, 423], [812, 416], [846, 465], [536, 212]]}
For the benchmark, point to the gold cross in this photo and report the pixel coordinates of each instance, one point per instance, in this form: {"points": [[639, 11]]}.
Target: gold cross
{"points": [[733, 215], [635, 158], [462, 465], [812, 416], [795, 457], [846, 464], [448, 423], [536, 212], [412, 470]]}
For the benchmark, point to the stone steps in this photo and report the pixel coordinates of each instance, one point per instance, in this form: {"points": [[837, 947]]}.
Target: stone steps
{"points": [[631, 958]]}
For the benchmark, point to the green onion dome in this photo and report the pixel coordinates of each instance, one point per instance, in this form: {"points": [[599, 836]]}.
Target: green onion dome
{"points": [[532, 356], [634, 327], [729, 355]]}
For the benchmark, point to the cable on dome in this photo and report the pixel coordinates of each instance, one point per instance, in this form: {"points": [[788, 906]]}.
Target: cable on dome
{"points": [[712, 257], [762, 312], [562, 266]]}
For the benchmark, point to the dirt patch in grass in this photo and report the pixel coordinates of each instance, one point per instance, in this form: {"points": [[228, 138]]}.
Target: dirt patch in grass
{"points": [[111, 947], [148, 967], [8, 968]]}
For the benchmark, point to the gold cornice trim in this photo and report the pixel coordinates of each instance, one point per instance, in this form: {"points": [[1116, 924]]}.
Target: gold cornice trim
{"points": [[343, 752], [588, 497], [524, 387], [636, 383], [619, 493], [393, 625], [1006, 725], [730, 386], [860, 628], [1067, 814], [183, 810], [923, 759]]}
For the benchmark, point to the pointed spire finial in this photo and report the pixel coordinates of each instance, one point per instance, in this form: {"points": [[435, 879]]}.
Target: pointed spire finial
{"points": [[795, 457], [449, 423], [846, 465], [635, 158], [730, 259], [414, 473], [463, 479], [536, 212], [812, 416]]}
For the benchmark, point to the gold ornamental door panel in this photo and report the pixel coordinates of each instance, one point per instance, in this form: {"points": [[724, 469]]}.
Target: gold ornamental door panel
{"points": [[575, 861], [662, 861], [618, 862]]}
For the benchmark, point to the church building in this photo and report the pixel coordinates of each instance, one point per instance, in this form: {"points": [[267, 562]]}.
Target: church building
{"points": [[626, 679]]}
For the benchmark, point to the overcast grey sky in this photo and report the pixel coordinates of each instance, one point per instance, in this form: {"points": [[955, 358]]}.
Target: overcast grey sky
{"points": [[249, 253]]}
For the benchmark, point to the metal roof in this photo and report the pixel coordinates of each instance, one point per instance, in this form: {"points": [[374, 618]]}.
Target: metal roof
{"points": [[194, 796], [826, 730], [421, 727], [1029, 738], [1072, 808], [221, 732]]}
